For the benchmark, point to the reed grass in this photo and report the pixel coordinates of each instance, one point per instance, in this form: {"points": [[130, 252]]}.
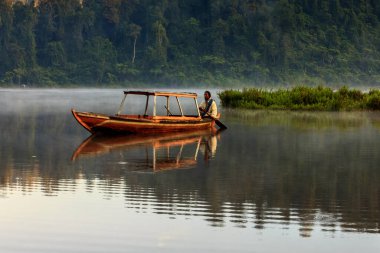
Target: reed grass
{"points": [[302, 98]]}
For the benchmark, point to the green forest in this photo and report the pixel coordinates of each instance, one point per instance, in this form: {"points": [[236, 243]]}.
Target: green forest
{"points": [[189, 42]]}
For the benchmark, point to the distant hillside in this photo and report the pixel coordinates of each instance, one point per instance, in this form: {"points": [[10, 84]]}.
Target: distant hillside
{"points": [[219, 42]]}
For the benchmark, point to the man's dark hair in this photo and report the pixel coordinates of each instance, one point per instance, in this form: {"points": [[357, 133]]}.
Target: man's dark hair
{"points": [[209, 93]]}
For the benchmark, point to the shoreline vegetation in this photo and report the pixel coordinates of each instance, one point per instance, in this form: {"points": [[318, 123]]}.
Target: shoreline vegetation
{"points": [[319, 98]]}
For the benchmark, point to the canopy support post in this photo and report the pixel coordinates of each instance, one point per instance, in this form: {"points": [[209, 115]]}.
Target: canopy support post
{"points": [[146, 105], [154, 105], [167, 106], [179, 105], [196, 104], [121, 105]]}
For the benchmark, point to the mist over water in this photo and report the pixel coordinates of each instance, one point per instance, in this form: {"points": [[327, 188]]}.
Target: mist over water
{"points": [[295, 181]]}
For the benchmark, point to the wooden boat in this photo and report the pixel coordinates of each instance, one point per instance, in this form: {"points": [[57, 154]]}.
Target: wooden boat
{"points": [[132, 123]]}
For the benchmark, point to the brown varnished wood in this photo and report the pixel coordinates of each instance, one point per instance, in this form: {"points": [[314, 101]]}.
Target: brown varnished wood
{"points": [[135, 124], [163, 93]]}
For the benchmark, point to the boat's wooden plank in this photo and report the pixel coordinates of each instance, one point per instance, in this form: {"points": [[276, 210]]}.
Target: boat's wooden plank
{"points": [[149, 127]]}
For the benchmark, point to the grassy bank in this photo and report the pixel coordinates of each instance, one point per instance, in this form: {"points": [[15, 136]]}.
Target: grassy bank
{"points": [[302, 98]]}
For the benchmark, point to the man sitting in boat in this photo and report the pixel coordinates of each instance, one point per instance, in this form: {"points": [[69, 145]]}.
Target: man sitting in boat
{"points": [[208, 107]]}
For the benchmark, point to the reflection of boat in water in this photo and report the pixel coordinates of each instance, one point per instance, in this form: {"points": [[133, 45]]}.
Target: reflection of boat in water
{"points": [[144, 123], [167, 151]]}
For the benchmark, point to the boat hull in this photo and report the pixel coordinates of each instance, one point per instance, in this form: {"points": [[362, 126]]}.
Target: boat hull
{"points": [[95, 123]]}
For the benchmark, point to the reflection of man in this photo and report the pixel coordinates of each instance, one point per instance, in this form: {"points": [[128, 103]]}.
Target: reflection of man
{"points": [[209, 147], [208, 106]]}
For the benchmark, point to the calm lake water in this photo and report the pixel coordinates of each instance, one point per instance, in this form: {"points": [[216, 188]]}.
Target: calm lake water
{"points": [[272, 182]]}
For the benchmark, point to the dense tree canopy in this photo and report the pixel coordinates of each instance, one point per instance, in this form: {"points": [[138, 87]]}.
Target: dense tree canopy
{"points": [[190, 41]]}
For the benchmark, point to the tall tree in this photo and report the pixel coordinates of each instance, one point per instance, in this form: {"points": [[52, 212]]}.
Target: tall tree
{"points": [[6, 22], [134, 32]]}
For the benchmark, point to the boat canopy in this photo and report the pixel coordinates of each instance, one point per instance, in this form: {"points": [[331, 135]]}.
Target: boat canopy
{"points": [[163, 93], [166, 94]]}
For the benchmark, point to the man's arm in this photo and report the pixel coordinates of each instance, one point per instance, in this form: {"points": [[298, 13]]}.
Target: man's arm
{"points": [[202, 106]]}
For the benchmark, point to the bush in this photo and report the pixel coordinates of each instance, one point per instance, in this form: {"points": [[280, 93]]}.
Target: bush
{"points": [[373, 101], [302, 98]]}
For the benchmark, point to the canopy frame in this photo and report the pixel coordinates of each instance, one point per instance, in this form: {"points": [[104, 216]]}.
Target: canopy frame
{"points": [[155, 94]]}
